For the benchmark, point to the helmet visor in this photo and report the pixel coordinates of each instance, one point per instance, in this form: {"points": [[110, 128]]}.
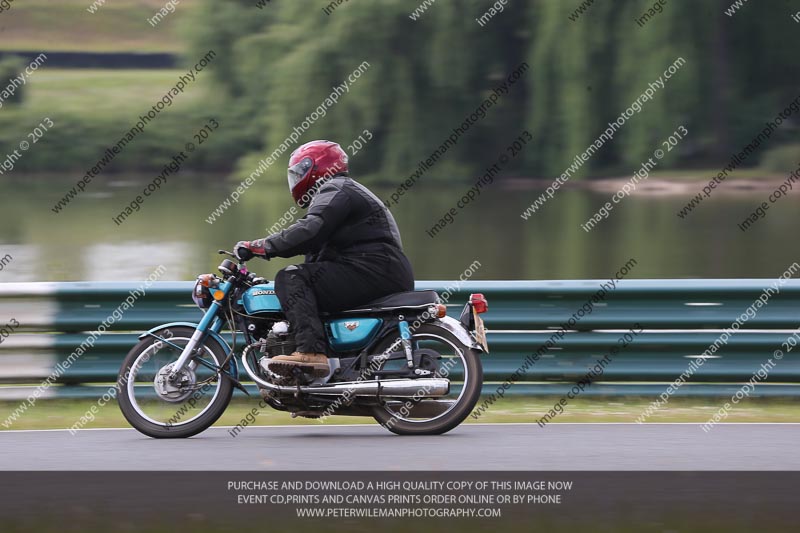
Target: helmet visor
{"points": [[299, 171]]}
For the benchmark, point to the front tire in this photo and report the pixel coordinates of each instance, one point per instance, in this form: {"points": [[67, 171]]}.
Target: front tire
{"points": [[176, 413], [470, 389]]}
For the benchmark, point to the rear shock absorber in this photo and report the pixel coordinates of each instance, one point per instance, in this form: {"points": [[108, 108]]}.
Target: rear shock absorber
{"points": [[405, 339]]}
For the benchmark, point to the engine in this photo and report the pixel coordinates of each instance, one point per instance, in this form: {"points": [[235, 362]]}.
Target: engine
{"points": [[279, 341]]}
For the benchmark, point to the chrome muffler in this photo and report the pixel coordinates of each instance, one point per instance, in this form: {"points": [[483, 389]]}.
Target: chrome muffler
{"points": [[404, 388]]}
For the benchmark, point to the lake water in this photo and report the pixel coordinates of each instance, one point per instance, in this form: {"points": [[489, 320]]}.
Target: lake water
{"points": [[83, 243]]}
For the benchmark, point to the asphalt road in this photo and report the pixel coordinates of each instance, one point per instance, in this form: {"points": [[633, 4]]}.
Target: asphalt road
{"points": [[367, 447]]}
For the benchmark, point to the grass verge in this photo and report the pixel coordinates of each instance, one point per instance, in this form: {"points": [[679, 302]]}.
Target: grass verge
{"points": [[62, 414], [104, 92]]}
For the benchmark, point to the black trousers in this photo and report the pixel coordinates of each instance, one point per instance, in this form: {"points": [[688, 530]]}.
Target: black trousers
{"points": [[348, 281]]}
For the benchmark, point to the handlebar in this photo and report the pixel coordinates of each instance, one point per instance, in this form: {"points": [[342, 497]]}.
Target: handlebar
{"points": [[231, 254], [247, 276]]}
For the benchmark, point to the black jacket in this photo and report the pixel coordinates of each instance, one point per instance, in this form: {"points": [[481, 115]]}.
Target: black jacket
{"points": [[343, 219]]}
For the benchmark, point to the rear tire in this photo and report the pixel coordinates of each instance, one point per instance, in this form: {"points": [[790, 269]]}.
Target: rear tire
{"points": [[466, 402]]}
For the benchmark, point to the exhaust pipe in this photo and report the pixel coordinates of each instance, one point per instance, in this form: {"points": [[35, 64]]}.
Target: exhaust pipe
{"points": [[406, 388]]}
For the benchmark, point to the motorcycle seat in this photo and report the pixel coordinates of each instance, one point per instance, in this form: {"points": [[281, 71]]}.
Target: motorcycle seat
{"points": [[399, 300]]}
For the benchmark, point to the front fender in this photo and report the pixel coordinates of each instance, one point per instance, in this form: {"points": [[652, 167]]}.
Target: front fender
{"points": [[456, 328], [234, 370]]}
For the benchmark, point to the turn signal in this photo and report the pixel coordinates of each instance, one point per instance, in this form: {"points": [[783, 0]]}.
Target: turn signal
{"points": [[478, 302], [206, 279], [441, 310]]}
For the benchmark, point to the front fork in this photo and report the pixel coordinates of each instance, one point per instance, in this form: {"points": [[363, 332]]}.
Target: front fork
{"points": [[211, 322]]}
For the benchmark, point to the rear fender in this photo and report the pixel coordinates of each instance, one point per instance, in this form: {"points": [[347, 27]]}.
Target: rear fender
{"points": [[457, 328]]}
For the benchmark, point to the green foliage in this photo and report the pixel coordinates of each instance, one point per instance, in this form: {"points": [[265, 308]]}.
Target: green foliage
{"points": [[93, 109], [77, 141], [426, 76], [424, 79], [11, 67], [277, 65], [783, 160]]}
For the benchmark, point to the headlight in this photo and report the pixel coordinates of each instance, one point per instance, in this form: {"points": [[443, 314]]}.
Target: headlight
{"points": [[200, 294]]}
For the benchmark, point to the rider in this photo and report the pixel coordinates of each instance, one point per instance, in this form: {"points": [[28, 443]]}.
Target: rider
{"points": [[352, 247]]}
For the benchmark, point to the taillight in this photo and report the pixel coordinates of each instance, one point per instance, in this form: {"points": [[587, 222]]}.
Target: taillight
{"points": [[478, 302]]}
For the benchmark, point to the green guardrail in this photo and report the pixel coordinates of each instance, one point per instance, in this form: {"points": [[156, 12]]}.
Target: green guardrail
{"points": [[680, 319]]}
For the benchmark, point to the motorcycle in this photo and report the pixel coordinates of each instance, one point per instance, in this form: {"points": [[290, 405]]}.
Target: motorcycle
{"points": [[399, 359]]}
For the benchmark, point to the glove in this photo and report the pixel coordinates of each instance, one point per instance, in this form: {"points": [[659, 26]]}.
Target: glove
{"points": [[246, 250]]}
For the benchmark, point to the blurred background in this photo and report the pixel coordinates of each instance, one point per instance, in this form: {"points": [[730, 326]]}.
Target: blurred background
{"points": [[276, 62]]}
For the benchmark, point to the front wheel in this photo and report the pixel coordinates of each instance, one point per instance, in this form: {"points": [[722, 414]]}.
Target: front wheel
{"points": [[456, 361], [162, 406]]}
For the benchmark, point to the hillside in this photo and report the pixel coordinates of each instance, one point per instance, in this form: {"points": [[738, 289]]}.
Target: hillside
{"points": [[67, 25]]}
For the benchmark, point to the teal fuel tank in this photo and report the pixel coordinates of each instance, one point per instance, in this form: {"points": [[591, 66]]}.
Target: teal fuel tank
{"points": [[344, 334], [261, 299]]}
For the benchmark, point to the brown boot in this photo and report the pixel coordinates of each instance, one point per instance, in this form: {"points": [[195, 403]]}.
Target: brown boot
{"points": [[315, 364]]}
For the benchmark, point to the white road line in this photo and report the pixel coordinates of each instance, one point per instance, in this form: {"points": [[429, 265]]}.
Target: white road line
{"points": [[303, 426]]}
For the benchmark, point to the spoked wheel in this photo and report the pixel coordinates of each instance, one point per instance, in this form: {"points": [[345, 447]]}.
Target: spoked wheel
{"points": [[183, 406], [449, 358]]}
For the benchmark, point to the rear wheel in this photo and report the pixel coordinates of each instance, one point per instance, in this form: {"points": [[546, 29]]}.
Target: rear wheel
{"points": [[182, 407], [457, 362]]}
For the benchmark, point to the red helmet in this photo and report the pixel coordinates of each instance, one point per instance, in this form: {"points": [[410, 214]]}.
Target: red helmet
{"points": [[311, 163]]}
